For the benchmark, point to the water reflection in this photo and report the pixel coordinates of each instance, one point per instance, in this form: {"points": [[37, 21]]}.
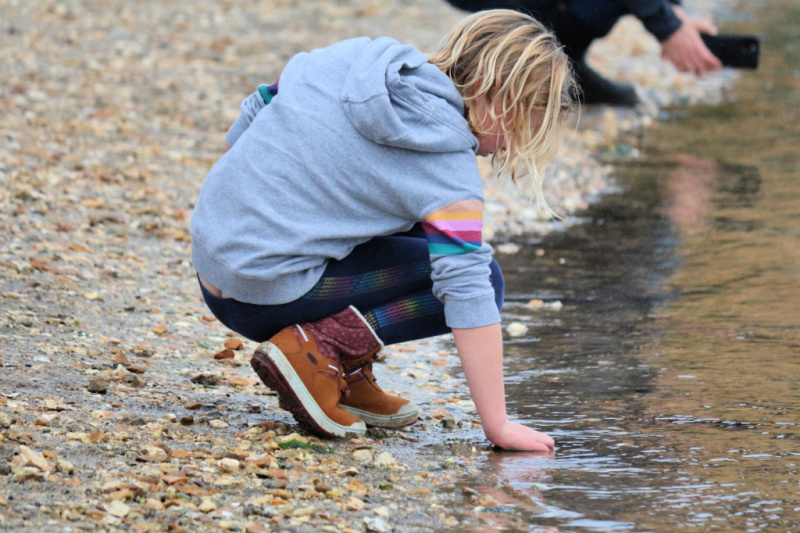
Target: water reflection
{"points": [[669, 376]]}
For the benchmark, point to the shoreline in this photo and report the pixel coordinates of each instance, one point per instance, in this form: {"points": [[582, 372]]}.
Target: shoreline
{"points": [[124, 405]]}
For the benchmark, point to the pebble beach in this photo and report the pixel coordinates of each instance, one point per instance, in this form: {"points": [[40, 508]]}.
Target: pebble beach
{"points": [[124, 406]]}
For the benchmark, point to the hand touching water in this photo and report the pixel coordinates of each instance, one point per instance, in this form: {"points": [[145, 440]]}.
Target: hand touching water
{"points": [[513, 436], [481, 352]]}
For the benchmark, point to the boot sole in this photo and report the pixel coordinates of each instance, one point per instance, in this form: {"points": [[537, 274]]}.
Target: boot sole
{"points": [[384, 421], [277, 373]]}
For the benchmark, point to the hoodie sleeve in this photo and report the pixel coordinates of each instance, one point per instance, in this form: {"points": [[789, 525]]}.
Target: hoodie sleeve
{"points": [[250, 108], [460, 263]]}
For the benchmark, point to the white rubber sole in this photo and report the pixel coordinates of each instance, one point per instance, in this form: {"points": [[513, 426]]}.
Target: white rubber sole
{"points": [[407, 415], [278, 374]]}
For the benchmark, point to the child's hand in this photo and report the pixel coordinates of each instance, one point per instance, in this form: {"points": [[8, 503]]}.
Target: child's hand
{"points": [[513, 436]]}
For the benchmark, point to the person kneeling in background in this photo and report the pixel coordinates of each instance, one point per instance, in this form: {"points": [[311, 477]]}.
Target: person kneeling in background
{"points": [[577, 23]]}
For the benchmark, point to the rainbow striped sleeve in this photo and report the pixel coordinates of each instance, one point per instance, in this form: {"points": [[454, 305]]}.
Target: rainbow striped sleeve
{"points": [[453, 232]]}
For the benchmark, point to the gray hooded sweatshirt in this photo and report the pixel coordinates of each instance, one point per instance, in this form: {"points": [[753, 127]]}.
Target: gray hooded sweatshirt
{"points": [[364, 138]]}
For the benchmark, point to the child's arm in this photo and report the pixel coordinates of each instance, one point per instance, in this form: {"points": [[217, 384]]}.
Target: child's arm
{"points": [[250, 108], [454, 242], [481, 352]]}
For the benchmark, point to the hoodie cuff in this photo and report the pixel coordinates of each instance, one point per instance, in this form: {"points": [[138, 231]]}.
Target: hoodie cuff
{"points": [[472, 313]]}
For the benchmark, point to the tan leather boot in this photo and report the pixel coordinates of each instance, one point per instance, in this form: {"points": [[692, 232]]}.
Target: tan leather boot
{"points": [[359, 347], [376, 408], [308, 379]]}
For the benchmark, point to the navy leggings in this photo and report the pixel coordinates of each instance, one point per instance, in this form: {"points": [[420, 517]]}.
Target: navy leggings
{"points": [[388, 279]]}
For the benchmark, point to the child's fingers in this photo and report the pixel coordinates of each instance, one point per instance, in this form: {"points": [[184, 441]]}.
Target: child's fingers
{"points": [[546, 440], [515, 436]]}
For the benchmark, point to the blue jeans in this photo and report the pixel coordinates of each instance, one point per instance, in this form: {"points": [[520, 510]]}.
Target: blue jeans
{"points": [[388, 279]]}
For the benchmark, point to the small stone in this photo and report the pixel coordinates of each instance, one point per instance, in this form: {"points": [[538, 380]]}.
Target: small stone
{"points": [[321, 486], [34, 459], [354, 504], [97, 385], [207, 506], [229, 465], [27, 473], [385, 460], [449, 421], [536, 304], [293, 437], [516, 329], [118, 509], [376, 524], [507, 248], [52, 404], [208, 380], [234, 344], [363, 456], [376, 433], [290, 453], [133, 380], [153, 503], [257, 471], [64, 466], [224, 355]]}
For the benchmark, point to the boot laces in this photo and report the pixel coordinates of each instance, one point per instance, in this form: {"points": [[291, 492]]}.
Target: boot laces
{"points": [[344, 388], [367, 371]]}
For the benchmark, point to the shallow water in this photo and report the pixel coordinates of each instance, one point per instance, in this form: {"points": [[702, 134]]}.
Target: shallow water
{"points": [[669, 376]]}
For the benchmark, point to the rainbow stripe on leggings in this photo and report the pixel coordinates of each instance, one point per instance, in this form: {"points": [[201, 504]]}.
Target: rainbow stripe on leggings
{"points": [[403, 310], [329, 288]]}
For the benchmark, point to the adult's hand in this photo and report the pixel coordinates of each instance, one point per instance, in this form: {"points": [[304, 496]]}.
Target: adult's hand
{"points": [[685, 48]]}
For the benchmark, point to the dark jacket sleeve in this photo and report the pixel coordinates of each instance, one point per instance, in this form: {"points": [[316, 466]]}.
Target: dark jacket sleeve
{"points": [[656, 15]]}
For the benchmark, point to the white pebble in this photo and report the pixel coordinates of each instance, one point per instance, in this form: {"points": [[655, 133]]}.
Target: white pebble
{"points": [[516, 329]]}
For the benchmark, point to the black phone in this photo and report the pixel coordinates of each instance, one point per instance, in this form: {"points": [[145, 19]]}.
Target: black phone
{"points": [[737, 51]]}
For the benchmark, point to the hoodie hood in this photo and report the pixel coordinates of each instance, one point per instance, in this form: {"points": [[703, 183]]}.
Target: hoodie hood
{"points": [[393, 96]]}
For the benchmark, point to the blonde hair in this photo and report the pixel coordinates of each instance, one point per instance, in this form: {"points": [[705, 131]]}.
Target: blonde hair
{"points": [[509, 58]]}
